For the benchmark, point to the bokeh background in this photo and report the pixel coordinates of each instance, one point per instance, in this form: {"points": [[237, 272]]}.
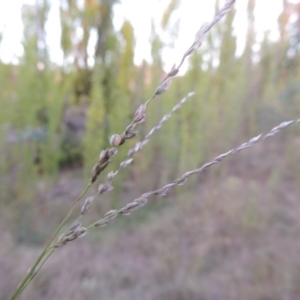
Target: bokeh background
{"points": [[74, 72]]}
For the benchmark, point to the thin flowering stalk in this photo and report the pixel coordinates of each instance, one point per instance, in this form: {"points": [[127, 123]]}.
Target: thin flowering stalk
{"points": [[69, 235], [33, 270], [204, 30], [142, 200], [163, 86], [104, 187], [116, 140], [65, 238], [107, 155]]}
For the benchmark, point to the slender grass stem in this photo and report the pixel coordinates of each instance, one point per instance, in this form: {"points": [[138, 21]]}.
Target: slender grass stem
{"points": [[32, 270], [33, 275]]}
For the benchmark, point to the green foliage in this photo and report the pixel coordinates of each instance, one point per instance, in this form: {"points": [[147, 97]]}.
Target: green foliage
{"points": [[236, 97]]}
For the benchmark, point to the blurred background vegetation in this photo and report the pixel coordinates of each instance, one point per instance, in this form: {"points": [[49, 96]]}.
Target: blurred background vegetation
{"points": [[229, 232]]}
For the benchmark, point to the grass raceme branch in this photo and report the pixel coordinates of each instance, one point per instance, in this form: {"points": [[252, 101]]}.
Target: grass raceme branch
{"points": [[142, 200]]}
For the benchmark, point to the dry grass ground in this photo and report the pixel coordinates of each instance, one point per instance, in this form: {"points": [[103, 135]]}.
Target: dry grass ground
{"points": [[235, 236]]}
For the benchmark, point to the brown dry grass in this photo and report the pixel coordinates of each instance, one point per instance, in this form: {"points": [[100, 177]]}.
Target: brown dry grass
{"points": [[232, 237]]}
